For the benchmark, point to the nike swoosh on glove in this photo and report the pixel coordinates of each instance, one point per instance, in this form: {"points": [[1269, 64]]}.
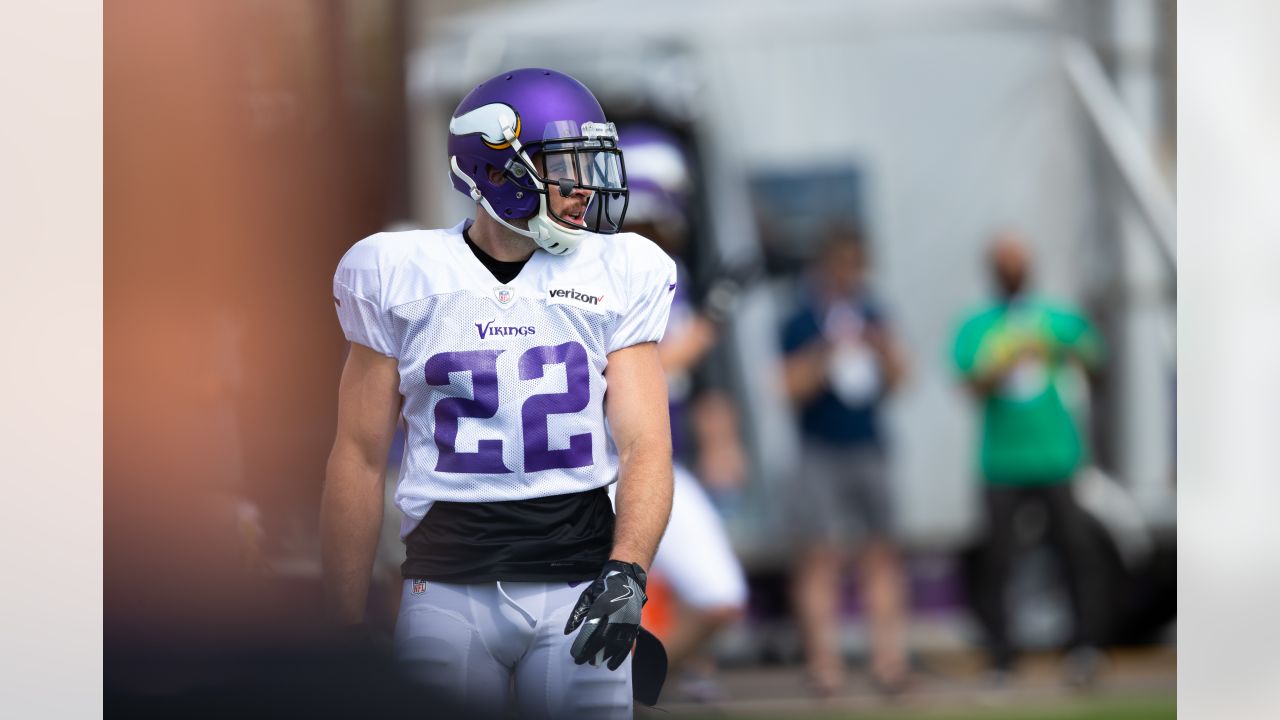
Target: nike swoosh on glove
{"points": [[609, 613]]}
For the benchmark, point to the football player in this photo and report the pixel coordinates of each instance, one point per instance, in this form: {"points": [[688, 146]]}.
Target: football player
{"points": [[497, 339], [695, 556]]}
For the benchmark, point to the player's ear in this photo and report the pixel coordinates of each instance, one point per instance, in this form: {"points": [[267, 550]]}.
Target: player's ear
{"points": [[496, 176]]}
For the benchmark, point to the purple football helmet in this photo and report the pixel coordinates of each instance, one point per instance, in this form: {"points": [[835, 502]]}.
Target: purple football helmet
{"points": [[658, 177], [509, 119]]}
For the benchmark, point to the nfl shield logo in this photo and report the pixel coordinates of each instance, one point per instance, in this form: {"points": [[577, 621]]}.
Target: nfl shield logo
{"points": [[504, 295], [419, 587]]}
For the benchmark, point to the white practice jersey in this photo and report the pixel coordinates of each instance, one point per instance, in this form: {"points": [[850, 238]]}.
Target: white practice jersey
{"points": [[503, 385]]}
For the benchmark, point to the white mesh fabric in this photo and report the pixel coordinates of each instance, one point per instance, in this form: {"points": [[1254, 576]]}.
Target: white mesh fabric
{"points": [[447, 323], [419, 296], [357, 298]]}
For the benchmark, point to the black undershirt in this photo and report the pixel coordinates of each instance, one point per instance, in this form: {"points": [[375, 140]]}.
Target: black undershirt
{"points": [[504, 270], [547, 539], [558, 538]]}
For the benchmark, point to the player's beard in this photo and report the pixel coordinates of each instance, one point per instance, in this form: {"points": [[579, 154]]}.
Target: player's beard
{"points": [[572, 214]]}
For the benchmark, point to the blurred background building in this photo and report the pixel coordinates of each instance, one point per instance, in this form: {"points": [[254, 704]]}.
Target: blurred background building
{"points": [[249, 144]]}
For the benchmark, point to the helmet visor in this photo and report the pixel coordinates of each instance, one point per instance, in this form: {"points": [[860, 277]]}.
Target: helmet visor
{"points": [[598, 170]]}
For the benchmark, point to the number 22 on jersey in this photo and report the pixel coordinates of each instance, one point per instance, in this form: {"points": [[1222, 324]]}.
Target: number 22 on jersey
{"points": [[483, 367]]}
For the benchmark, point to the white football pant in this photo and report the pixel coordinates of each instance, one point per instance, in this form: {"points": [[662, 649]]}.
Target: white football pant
{"points": [[501, 646], [695, 557]]}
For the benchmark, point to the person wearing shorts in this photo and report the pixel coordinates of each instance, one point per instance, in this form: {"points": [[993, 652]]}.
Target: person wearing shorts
{"points": [[694, 557], [840, 363]]}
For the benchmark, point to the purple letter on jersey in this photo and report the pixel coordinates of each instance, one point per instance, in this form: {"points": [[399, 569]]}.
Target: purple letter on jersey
{"points": [[535, 410], [483, 366]]}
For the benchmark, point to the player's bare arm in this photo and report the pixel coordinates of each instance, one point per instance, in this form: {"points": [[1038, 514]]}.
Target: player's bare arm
{"points": [[351, 507], [722, 463], [682, 352], [636, 407], [607, 615]]}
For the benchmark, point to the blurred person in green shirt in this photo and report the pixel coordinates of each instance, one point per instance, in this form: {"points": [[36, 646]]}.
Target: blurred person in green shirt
{"points": [[1011, 355]]}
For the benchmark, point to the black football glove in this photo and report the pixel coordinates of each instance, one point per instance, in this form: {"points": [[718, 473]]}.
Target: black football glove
{"points": [[609, 613]]}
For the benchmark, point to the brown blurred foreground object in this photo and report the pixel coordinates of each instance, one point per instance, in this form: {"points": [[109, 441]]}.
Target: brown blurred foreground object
{"points": [[247, 145]]}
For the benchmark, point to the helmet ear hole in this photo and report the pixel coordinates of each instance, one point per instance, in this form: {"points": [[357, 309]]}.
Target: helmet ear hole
{"points": [[495, 175]]}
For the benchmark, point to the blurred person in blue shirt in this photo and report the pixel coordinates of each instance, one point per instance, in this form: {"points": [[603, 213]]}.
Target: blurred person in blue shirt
{"points": [[841, 361]]}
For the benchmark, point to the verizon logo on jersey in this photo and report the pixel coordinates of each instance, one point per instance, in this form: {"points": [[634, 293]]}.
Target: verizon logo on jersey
{"points": [[579, 296], [585, 298], [487, 329]]}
